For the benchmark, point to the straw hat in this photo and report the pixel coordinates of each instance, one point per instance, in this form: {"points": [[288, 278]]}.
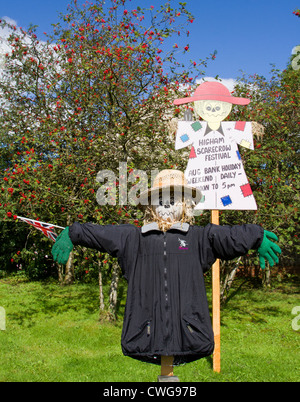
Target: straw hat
{"points": [[170, 180], [213, 91]]}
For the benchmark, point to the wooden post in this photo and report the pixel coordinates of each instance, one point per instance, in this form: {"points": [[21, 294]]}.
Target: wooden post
{"points": [[216, 316], [167, 365], [167, 370]]}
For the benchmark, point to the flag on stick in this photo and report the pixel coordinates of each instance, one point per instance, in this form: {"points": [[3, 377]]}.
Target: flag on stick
{"points": [[46, 228]]}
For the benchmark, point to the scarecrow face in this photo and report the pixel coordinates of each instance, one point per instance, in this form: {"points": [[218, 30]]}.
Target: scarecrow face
{"points": [[212, 111], [168, 207]]}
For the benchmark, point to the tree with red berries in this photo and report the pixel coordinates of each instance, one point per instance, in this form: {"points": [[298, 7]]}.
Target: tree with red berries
{"points": [[297, 12], [98, 92]]}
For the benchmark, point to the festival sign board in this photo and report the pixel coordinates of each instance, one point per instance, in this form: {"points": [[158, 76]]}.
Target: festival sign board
{"points": [[215, 165]]}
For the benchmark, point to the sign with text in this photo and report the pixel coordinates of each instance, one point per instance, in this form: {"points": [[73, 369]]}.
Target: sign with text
{"points": [[215, 165]]}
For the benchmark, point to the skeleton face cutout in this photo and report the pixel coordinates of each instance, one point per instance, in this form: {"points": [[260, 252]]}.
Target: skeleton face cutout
{"points": [[168, 207], [212, 111]]}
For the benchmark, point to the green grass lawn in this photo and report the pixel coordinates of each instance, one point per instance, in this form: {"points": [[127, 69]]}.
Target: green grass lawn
{"points": [[53, 334]]}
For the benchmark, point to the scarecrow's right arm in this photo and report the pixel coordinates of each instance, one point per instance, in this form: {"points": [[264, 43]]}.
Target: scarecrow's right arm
{"points": [[112, 239]]}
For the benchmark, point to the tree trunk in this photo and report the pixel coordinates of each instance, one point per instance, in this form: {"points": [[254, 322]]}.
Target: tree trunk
{"points": [[69, 276], [229, 278], [60, 273], [101, 296], [69, 273], [113, 294], [66, 273], [266, 276]]}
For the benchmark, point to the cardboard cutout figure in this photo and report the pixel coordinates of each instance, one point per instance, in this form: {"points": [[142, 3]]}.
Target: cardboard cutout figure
{"points": [[167, 317], [215, 165]]}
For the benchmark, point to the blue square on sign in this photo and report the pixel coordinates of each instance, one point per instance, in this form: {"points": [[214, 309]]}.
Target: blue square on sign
{"points": [[238, 155], [184, 138], [226, 200]]}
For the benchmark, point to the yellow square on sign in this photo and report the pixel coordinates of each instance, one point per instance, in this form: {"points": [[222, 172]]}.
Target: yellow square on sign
{"points": [[245, 144]]}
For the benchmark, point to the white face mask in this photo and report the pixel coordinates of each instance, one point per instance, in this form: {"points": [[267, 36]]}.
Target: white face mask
{"points": [[212, 111], [168, 207]]}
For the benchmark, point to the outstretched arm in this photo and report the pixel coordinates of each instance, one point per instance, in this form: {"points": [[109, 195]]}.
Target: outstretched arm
{"points": [[229, 242], [116, 240]]}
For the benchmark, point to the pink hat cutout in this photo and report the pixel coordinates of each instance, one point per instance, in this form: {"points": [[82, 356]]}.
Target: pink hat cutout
{"points": [[212, 91]]}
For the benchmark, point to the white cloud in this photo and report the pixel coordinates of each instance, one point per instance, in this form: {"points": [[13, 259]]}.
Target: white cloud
{"points": [[6, 31], [296, 49], [6, 48], [228, 82], [4, 35], [9, 20]]}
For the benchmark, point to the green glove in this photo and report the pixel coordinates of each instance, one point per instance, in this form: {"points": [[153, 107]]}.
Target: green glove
{"points": [[268, 249], [62, 247]]}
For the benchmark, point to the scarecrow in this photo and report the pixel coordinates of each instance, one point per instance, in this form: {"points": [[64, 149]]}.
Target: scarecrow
{"points": [[215, 164], [166, 318]]}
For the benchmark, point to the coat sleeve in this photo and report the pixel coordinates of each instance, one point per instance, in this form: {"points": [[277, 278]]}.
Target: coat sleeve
{"points": [[112, 239], [228, 242]]}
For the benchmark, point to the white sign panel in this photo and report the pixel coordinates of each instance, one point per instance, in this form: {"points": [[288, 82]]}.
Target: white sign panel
{"points": [[215, 165]]}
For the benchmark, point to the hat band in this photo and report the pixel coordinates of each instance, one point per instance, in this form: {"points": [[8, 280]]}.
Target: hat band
{"points": [[173, 179]]}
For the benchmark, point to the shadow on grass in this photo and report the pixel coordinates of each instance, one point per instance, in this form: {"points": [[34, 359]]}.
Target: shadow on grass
{"points": [[50, 300]]}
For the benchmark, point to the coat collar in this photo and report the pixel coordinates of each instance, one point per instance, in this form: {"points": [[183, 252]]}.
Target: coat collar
{"points": [[182, 227]]}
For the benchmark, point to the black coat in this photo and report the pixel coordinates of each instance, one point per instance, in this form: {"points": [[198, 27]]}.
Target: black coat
{"points": [[166, 309]]}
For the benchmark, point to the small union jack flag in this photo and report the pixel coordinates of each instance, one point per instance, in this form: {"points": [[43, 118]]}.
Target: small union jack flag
{"points": [[46, 228]]}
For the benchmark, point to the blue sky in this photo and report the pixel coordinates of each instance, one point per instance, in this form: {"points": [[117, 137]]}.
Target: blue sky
{"points": [[249, 35]]}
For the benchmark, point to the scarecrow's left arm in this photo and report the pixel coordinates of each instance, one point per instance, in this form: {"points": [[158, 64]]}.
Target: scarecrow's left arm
{"points": [[242, 133], [229, 242]]}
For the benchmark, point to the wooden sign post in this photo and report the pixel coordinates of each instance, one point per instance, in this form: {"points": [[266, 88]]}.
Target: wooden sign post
{"points": [[216, 316]]}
